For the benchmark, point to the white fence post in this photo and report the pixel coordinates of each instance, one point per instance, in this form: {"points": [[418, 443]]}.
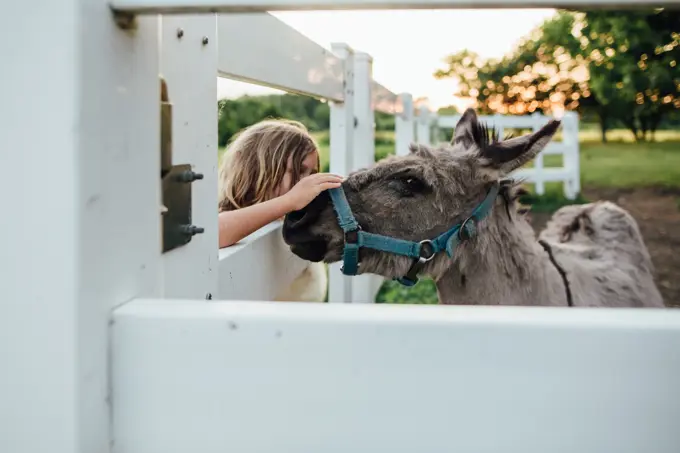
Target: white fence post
{"points": [[404, 125], [341, 154], [572, 156], [568, 174], [423, 126], [538, 161], [189, 66], [68, 262], [364, 151]]}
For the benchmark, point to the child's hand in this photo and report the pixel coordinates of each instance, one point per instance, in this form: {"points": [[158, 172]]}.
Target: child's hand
{"points": [[309, 187]]}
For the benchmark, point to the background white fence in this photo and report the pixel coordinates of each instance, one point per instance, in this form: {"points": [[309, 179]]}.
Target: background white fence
{"points": [[569, 173]]}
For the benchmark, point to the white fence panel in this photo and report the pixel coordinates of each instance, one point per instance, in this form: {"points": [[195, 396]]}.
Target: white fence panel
{"points": [[265, 377], [80, 230], [260, 267], [404, 125], [384, 100], [189, 65], [259, 48], [423, 125], [568, 174]]}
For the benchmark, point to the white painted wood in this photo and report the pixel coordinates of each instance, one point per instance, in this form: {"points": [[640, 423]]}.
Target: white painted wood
{"points": [[510, 121], [572, 156], [189, 66], [539, 184], [231, 6], [364, 132], [545, 175], [423, 124], [80, 236], [259, 48], [263, 377], [405, 125], [363, 286], [384, 100], [568, 148], [260, 267], [341, 154]]}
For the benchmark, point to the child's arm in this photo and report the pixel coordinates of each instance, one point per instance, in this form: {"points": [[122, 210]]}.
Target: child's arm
{"points": [[235, 225]]}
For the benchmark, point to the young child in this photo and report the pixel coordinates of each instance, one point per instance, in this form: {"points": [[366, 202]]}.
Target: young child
{"points": [[270, 169]]}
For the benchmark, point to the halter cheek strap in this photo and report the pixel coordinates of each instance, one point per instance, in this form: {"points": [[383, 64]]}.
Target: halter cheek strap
{"points": [[421, 252]]}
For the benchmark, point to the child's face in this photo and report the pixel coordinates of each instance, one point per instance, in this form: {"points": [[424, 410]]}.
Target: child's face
{"points": [[309, 166]]}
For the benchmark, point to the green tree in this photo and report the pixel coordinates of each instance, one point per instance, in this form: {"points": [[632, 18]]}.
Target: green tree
{"points": [[633, 62], [616, 66]]}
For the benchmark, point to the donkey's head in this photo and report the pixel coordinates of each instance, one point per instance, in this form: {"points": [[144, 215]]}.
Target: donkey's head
{"points": [[414, 197]]}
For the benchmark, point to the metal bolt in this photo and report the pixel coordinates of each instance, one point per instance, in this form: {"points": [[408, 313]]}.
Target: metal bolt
{"points": [[190, 230], [180, 33], [205, 41], [189, 176]]}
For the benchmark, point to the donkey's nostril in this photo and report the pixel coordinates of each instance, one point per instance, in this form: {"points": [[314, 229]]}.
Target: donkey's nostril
{"points": [[296, 216], [307, 215]]}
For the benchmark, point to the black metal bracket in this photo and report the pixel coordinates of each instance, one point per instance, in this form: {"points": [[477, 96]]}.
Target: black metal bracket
{"points": [[176, 181]]}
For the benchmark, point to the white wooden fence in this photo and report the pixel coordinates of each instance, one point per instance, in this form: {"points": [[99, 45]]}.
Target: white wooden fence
{"points": [[569, 173], [109, 345]]}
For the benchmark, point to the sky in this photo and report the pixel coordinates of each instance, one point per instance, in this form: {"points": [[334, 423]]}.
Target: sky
{"points": [[408, 46]]}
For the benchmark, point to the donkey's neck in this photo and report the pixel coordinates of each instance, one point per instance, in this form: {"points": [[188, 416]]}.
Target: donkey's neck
{"points": [[504, 265]]}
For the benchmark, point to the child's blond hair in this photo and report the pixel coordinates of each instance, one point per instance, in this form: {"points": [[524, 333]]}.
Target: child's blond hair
{"points": [[256, 161]]}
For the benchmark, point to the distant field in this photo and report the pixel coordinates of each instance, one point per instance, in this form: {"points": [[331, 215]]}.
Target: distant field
{"points": [[619, 163]]}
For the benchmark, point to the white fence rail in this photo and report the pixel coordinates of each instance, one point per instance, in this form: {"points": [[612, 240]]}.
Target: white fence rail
{"points": [[259, 378], [569, 173]]}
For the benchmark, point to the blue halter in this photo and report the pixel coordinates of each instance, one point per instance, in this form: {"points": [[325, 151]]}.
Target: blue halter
{"points": [[421, 252]]}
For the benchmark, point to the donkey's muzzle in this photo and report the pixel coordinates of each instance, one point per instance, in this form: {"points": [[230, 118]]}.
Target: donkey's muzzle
{"points": [[297, 230]]}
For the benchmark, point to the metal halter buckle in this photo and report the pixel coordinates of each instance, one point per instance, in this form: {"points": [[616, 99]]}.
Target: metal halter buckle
{"points": [[352, 237], [462, 231]]}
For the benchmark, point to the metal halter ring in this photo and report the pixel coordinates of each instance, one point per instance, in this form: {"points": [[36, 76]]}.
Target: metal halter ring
{"points": [[425, 259]]}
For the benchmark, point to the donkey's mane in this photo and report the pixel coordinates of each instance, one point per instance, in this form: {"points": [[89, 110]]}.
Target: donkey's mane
{"points": [[484, 135], [511, 190]]}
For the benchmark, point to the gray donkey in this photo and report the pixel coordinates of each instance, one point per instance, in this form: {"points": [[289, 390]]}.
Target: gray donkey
{"points": [[588, 255]]}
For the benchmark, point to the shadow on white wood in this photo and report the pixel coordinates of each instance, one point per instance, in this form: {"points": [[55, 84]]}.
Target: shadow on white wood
{"points": [[335, 378]]}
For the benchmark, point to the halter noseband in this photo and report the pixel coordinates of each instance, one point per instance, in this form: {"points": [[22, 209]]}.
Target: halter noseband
{"points": [[421, 252]]}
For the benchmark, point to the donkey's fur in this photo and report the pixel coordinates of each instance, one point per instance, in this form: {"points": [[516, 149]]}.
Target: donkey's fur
{"points": [[421, 195]]}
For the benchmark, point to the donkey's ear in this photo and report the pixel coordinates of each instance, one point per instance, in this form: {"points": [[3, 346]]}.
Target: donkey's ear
{"points": [[465, 129], [511, 154]]}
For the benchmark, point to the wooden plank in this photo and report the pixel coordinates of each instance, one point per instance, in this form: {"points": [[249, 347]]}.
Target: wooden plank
{"points": [[259, 267], [235, 6], [259, 48], [384, 100], [337, 378], [189, 64], [81, 232]]}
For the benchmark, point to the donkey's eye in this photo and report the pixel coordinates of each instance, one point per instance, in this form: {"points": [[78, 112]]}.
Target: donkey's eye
{"points": [[407, 186]]}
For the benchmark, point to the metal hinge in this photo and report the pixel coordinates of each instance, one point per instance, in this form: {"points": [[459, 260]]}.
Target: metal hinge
{"points": [[176, 182]]}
